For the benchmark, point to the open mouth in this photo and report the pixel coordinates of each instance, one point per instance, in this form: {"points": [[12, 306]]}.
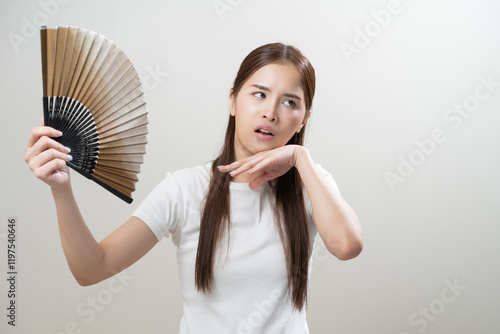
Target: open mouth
{"points": [[264, 132]]}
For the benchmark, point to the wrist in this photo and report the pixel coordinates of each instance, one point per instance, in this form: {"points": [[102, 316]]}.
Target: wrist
{"points": [[302, 155], [61, 191]]}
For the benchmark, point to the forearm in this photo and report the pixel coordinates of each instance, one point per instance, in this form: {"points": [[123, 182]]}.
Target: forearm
{"points": [[89, 261], [337, 223], [84, 255]]}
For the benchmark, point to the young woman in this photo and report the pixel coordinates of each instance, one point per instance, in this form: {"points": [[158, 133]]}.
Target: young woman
{"points": [[244, 224]]}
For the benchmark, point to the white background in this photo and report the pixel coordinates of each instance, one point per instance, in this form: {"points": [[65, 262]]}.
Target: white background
{"points": [[437, 228]]}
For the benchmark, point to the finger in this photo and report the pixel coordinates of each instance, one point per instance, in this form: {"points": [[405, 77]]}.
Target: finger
{"points": [[225, 168], [45, 171], [260, 180], [245, 166], [46, 156], [40, 131], [262, 164], [42, 144], [236, 164], [232, 166]]}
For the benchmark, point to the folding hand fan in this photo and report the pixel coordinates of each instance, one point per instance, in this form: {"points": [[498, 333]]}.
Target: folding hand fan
{"points": [[92, 93]]}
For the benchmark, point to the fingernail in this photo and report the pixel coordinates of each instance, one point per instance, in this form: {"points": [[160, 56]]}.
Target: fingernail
{"points": [[66, 149], [69, 157], [58, 133], [232, 172]]}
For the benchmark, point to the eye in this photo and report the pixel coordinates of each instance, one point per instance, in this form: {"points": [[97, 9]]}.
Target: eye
{"points": [[260, 95], [290, 103]]}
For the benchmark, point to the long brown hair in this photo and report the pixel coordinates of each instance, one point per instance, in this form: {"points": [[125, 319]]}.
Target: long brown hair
{"points": [[289, 206]]}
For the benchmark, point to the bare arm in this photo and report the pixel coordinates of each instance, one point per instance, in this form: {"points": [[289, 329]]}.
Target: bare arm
{"points": [[89, 261], [337, 223]]}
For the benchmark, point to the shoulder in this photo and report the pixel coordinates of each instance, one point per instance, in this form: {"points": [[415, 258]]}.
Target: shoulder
{"points": [[193, 177], [180, 184], [164, 208], [188, 184]]}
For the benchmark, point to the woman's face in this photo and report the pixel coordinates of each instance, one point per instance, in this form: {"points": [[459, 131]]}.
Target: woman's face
{"points": [[269, 109]]}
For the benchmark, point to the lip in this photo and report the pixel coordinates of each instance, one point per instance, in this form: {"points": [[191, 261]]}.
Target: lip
{"points": [[265, 128], [262, 136]]}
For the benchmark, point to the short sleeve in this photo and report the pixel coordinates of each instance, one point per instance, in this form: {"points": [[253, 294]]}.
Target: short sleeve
{"points": [[329, 179], [162, 209]]}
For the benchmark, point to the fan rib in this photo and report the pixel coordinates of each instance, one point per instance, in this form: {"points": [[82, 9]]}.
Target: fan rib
{"points": [[68, 56], [59, 60], [93, 94]]}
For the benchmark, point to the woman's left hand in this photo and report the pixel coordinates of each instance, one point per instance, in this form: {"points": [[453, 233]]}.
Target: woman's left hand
{"points": [[271, 164]]}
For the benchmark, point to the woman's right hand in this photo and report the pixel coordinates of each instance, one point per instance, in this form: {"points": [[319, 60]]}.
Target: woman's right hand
{"points": [[89, 261], [47, 158]]}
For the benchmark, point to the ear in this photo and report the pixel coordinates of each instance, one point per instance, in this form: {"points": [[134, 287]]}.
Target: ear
{"points": [[232, 103], [304, 121], [306, 116]]}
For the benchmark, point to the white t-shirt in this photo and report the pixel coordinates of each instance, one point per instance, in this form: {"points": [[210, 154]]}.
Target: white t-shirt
{"points": [[250, 291]]}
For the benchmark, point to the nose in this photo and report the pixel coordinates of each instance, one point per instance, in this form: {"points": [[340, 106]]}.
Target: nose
{"points": [[269, 112], [269, 117]]}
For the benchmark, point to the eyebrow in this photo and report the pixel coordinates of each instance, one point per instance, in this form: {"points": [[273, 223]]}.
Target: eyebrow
{"points": [[268, 90]]}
